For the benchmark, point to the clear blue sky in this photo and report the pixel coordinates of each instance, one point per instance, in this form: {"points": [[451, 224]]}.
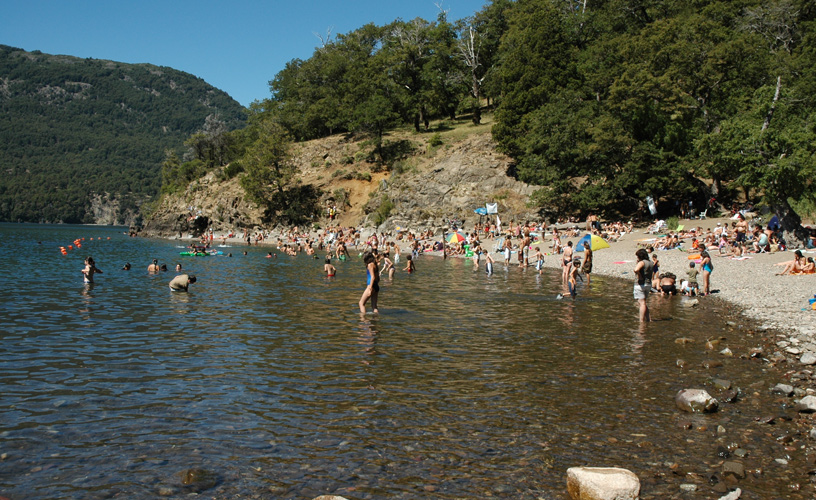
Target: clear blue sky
{"points": [[236, 46]]}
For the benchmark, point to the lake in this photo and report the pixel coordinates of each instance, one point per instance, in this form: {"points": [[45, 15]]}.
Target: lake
{"points": [[265, 382]]}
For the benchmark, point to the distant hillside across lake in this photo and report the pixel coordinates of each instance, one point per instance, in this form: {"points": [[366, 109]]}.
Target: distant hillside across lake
{"points": [[78, 136]]}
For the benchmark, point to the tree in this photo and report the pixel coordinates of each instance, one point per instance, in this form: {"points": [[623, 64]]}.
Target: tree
{"points": [[269, 177]]}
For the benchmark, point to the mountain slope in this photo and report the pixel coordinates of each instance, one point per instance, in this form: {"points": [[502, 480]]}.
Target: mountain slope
{"points": [[77, 135]]}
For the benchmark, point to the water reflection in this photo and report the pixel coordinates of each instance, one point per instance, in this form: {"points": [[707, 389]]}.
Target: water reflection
{"points": [[465, 385]]}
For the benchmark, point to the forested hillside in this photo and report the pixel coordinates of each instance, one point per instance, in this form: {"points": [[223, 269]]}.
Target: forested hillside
{"points": [[601, 103], [73, 130]]}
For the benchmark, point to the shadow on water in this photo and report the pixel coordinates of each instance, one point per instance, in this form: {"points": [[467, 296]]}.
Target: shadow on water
{"points": [[266, 375]]}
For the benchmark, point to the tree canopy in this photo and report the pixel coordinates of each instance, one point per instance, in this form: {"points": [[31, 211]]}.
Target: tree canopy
{"points": [[601, 103]]}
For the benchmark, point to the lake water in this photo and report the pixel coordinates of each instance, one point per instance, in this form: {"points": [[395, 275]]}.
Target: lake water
{"points": [[266, 378]]}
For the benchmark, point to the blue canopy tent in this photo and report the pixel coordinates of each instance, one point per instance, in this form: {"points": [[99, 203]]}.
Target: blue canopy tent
{"points": [[773, 224]]}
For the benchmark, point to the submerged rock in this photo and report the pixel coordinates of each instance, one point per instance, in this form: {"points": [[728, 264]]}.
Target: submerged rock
{"points": [[807, 404], [198, 480], [696, 401], [808, 358], [602, 483], [783, 389]]}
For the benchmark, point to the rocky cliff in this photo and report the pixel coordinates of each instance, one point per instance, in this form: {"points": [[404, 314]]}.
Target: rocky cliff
{"points": [[425, 188]]}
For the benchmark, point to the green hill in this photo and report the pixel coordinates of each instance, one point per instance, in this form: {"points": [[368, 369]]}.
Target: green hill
{"points": [[75, 130]]}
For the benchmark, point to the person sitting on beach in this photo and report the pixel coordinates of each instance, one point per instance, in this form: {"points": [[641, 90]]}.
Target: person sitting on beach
{"points": [[808, 267], [761, 241], [792, 266]]}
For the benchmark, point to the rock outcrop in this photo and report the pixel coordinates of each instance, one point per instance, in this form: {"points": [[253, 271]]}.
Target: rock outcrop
{"points": [[447, 183]]}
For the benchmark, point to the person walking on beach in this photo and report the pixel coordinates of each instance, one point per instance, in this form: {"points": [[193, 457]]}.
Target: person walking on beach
{"points": [[643, 283], [89, 270], [707, 267], [372, 290]]}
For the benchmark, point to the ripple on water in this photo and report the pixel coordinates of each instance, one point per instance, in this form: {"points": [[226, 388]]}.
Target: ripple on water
{"points": [[465, 385]]}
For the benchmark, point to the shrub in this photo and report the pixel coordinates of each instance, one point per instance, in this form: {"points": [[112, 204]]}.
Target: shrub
{"points": [[672, 223], [435, 140]]}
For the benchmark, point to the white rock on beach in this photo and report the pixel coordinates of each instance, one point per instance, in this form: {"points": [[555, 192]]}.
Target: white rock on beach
{"points": [[602, 483]]}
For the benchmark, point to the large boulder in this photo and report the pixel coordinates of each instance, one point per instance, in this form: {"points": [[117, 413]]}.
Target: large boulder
{"points": [[602, 483], [696, 401]]}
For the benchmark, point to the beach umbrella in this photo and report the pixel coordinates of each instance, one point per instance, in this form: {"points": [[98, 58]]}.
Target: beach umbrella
{"points": [[481, 211], [455, 237], [595, 243]]}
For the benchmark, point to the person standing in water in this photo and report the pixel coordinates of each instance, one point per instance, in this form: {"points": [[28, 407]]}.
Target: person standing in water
{"points": [[388, 266], [153, 267], [181, 282], [587, 267], [89, 270], [372, 290], [566, 260], [409, 266], [328, 268], [643, 283]]}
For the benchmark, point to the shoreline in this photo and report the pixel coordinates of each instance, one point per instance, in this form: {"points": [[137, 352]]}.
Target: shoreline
{"points": [[777, 303]]}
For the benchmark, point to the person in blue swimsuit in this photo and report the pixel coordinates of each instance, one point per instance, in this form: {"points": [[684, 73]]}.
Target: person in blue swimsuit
{"points": [[372, 290], [707, 268]]}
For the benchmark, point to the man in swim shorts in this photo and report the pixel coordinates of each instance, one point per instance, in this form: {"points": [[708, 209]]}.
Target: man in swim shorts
{"points": [[181, 282]]}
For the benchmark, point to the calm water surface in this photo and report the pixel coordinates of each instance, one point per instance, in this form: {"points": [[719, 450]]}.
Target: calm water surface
{"points": [[266, 376]]}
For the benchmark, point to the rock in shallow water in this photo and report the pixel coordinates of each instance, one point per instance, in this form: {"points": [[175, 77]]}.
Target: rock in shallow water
{"points": [[808, 358], [807, 404], [696, 401], [602, 483]]}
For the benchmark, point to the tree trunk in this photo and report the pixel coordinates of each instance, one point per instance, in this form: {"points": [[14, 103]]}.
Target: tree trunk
{"points": [[773, 104], [795, 235]]}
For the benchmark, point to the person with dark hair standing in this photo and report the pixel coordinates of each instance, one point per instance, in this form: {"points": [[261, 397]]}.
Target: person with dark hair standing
{"points": [[372, 290], [643, 283], [89, 270], [707, 268]]}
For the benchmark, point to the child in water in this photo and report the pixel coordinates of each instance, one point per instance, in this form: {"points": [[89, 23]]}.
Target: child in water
{"points": [[539, 258], [89, 270], [409, 265]]}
